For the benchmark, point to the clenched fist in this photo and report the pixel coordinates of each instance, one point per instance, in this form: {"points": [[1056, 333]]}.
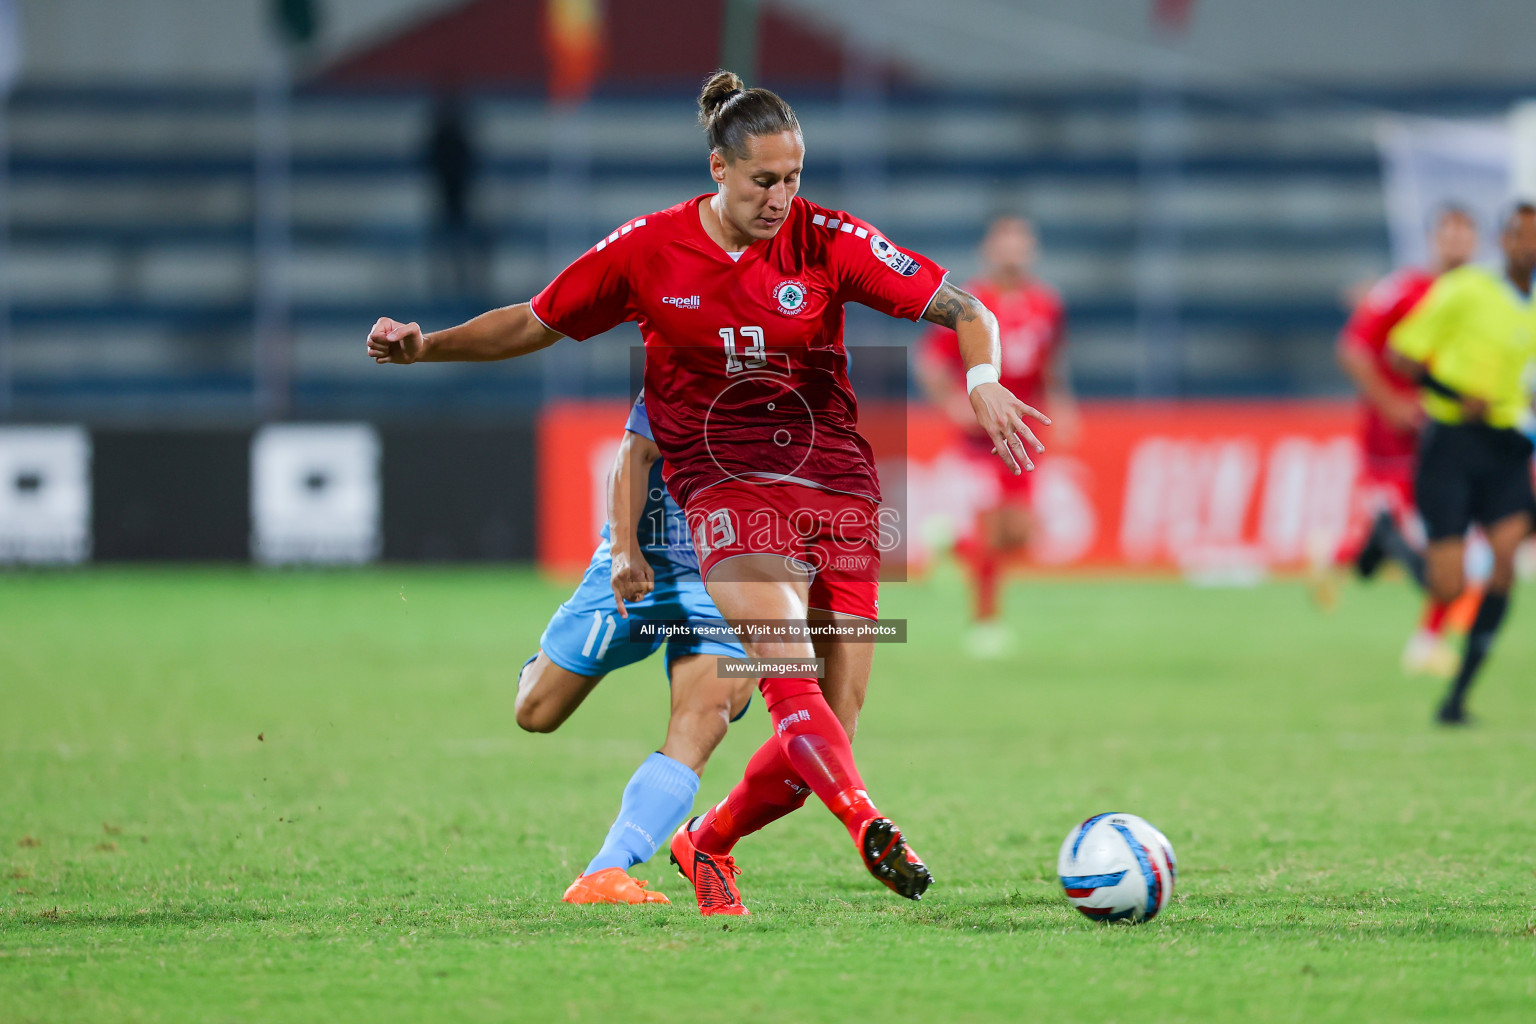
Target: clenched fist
{"points": [[391, 341]]}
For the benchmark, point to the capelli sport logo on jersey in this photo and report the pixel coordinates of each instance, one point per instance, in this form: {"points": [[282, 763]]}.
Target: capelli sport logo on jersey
{"points": [[893, 257], [790, 295], [681, 301]]}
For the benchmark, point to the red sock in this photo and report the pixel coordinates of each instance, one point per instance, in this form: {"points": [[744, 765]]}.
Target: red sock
{"points": [[1434, 617], [816, 746], [984, 569], [769, 790]]}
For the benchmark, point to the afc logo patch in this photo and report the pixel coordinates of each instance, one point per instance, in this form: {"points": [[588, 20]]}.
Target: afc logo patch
{"points": [[893, 257], [790, 296]]}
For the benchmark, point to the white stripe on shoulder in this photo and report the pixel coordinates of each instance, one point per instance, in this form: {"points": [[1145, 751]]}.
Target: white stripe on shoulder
{"points": [[839, 224]]}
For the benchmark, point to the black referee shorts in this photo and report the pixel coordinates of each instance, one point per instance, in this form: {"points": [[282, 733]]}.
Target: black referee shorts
{"points": [[1471, 473]]}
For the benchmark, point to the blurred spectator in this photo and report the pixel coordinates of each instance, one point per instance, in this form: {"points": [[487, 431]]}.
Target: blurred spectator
{"points": [[458, 257]]}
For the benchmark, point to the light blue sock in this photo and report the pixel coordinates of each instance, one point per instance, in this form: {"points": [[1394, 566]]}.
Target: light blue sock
{"points": [[659, 796]]}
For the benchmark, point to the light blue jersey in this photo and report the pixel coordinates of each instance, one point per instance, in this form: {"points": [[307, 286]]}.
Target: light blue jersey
{"points": [[586, 635], [663, 529]]}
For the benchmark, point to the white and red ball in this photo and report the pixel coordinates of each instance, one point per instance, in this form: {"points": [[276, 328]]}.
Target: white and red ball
{"points": [[1117, 867]]}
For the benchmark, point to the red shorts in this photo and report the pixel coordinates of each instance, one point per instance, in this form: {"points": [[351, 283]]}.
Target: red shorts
{"points": [[830, 538]]}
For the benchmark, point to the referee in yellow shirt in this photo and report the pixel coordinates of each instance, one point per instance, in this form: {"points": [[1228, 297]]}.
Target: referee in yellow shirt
{"points": [[1469, 343]]}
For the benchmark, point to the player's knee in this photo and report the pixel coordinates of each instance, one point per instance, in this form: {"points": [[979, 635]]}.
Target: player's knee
{"points": [[1446, 583], [532, 721], [534, 715], [1013, 533], [1444, 589], [533, 712]]}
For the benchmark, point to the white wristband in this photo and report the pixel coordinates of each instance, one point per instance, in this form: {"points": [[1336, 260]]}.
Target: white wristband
{"points": [[986, 373]]}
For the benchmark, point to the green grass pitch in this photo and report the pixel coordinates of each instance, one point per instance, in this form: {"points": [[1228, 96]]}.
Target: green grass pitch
{"points": [[234, 795]]}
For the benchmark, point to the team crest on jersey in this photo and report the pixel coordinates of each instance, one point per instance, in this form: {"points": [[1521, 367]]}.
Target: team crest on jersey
{"points": [[790, 295], [893, 257]]}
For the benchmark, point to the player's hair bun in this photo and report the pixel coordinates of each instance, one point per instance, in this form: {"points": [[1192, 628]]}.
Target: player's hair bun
{"points": [[718, 88], [732, 114]]}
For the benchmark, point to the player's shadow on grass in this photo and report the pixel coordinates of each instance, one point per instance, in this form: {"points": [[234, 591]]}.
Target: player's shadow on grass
{"points": [[1295, 918], [62, 919], [1214, 915], [856, 905], [1014, 912]]}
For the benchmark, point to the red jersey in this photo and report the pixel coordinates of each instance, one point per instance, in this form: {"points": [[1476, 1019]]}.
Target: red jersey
{"points": [[746, 376], [1391, 299], [1031, 324]]}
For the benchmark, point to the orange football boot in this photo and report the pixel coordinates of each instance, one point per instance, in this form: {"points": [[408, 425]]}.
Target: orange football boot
{"points": [[610, 885], [713, 876]]}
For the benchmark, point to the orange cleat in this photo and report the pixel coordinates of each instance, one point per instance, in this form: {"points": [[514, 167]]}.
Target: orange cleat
{"points": [[713, 876], [889, 858], [610, 885]]}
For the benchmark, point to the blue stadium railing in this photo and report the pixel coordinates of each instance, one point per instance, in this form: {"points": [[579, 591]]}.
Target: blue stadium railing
{"points": [[1277, 316]]}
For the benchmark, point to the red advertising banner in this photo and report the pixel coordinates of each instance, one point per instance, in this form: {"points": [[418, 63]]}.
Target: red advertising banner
{"points": [[1230, 486]]}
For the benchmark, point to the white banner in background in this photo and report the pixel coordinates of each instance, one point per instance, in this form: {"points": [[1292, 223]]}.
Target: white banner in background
{"points": [[10, 46], [315, 494], [1429, 162], [1522, 128], [45, 494]]}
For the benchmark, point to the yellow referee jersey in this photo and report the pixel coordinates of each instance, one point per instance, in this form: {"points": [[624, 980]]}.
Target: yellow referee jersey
{"points": [[1477, 335]]}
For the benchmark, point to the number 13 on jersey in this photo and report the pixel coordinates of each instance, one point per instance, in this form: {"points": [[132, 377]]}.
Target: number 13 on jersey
{"points": [[755, 357]]}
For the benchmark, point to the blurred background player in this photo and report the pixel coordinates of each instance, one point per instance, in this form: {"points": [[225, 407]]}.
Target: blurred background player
{"points": [[644, 569], [1031, 322], [1469, 344], [1390, 422]]}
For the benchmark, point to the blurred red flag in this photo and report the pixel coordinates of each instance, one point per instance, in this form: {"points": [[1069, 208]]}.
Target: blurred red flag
{"points": [[1172, 14], [573, 38]]}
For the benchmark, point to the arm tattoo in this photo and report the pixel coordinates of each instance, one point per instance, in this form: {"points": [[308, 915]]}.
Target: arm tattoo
{"points": [[951, 305]]}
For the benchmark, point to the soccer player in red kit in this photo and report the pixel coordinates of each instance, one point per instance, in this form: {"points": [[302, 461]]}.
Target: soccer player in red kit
{"points": [[1390, 421], [1032, 327], [739, 296]]}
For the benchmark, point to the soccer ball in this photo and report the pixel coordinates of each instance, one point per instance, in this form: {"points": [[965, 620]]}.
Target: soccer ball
{"points": [[1117, 867]]}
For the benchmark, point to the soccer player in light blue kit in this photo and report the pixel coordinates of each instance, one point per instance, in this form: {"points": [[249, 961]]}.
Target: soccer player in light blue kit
{"points": [[644, 571]]}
